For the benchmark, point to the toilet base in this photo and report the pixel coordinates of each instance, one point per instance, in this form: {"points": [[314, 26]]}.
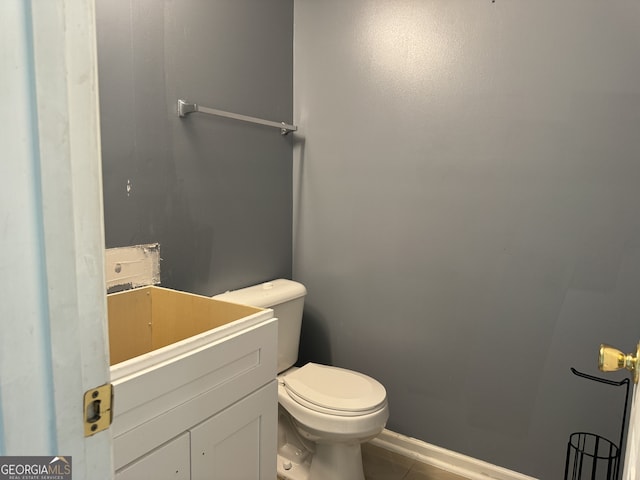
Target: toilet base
{"points": [[294, 452], [330, 462], [288, 470], [337, 461], [302, 459]]}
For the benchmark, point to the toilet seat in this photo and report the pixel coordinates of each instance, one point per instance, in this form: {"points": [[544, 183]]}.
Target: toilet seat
{"points": [[334, 391]]}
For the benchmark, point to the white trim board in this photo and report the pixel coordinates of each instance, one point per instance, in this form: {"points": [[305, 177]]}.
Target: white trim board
{"points": [[448, 460]]}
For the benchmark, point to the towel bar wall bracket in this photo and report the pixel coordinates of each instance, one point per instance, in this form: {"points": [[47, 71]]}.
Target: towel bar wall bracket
{"points": [[185, 108]]}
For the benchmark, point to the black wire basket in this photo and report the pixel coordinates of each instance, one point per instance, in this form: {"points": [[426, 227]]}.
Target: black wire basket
{"points": [[591, 456]]}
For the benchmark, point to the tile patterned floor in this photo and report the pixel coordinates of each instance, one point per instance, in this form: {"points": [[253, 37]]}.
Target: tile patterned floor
{"points": [[381, 464]]}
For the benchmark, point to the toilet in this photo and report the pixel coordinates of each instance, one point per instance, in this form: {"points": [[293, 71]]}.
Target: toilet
{"points": [[325, 413]]}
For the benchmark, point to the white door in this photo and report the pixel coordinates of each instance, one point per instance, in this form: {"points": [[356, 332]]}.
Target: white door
{"points": [[632, 456], [53, 340], [611, 359]]}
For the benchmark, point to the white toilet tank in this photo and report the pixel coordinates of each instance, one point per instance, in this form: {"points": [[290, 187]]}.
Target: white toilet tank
{"points": [[286, 298]]}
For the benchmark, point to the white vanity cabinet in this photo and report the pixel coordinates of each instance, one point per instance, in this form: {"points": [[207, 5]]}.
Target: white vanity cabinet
{"points": [[195, 394], [168, 462], [232, 444]]}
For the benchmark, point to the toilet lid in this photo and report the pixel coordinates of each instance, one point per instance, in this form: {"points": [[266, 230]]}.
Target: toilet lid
{"points": [[332, 389]]}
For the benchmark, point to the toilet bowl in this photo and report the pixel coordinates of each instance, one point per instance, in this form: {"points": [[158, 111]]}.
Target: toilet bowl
{"points": [[334, 410], [325, 413]]}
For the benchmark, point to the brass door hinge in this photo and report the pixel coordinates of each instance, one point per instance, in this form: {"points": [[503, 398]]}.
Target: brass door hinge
{"points": [[98, 413]]}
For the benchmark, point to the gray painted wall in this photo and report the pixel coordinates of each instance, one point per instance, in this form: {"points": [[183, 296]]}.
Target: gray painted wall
{"points": [[466, 176], [466, 211], [215, 193]]}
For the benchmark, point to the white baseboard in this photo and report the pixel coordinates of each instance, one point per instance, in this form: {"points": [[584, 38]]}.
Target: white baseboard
{"points": [[453, 462]]}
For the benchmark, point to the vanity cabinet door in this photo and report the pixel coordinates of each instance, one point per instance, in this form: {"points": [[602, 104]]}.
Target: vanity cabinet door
{"points": [[168, 462], [239, 443]]}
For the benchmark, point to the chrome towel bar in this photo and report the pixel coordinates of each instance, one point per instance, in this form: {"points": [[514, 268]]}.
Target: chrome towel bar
{"points": [[185, 108]]}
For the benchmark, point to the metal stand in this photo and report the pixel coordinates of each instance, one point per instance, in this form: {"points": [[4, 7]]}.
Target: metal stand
{"points": [[590, 456]]}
